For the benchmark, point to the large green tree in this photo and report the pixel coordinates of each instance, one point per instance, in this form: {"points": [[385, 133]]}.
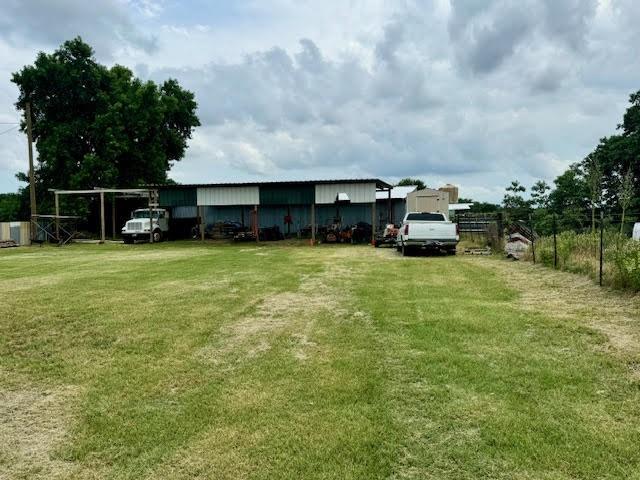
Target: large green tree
{"points": [[516, 207], [570, 199], [99, 126], [9, 207], [617, 157], [412, 181]]}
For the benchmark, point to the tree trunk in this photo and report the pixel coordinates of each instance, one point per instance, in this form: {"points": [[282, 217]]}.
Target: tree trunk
{"points": [[622, 220]]}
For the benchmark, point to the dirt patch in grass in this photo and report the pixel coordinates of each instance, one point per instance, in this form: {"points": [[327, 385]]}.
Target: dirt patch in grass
{"points": [[33, 424], [289, 314], [569, 296], [27, 283]]}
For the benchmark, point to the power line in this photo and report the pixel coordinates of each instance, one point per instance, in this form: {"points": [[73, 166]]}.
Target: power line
{"points": [[8, 130]]}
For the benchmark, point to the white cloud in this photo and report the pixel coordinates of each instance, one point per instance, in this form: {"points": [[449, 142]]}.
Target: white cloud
{"points": [[475, 93]]}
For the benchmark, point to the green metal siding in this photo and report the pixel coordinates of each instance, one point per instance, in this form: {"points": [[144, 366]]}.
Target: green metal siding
{"points": [[287, 195], [177, 197]]}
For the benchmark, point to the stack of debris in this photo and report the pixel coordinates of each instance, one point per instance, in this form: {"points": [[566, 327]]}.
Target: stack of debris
{"points": [[217, 231], [8, 243], [519, 240]]}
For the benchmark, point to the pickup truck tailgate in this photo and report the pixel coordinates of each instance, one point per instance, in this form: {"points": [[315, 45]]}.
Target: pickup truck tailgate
{"points": [[431, 230]]}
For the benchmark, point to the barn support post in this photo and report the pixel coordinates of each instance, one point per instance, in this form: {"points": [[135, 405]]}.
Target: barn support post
{"points": [[57, 198], [102, 227], [373, 223], [390, 215], [255, 209], [313, 224], [202, 224]]}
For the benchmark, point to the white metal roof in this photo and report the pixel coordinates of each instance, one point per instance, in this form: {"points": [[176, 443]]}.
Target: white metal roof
{"points": [[397, 192], [356, 192], [460, 206]]}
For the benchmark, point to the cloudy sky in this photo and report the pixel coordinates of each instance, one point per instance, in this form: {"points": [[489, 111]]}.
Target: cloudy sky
{"points": [[472, 92]]}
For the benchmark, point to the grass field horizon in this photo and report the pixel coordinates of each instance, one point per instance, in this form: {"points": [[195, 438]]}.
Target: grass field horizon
{"points": [[186, 360]]}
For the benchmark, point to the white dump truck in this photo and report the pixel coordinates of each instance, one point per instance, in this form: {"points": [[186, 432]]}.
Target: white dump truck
{"points": [[138, 227], [427, 231]]}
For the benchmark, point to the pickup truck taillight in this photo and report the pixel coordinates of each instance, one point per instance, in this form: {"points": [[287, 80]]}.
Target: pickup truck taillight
{"points": [[406, 229]]}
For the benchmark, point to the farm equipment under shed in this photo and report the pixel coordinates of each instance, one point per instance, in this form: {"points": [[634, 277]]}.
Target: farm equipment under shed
{"points": [[335, 233], [388, 236]]}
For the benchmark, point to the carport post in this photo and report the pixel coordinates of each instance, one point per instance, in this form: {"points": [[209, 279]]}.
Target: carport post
{"points": [[313, 224], [373, 223], [102, 227], [57, 217], [113, 217], [390, 214], [150, 220]]}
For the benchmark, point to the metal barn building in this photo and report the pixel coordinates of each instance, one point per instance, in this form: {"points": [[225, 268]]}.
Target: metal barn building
{"points": [[392, 204], [291, 206]]}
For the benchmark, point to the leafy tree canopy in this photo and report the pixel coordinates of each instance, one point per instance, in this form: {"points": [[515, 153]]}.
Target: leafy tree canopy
{"points": [[480, 207], [515, 205], [99, 126], [9, 207], [412, 181]]}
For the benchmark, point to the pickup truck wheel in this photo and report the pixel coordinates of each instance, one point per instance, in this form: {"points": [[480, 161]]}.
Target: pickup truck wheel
{"points": [[157, 236], [127, 240], [405, 251]]}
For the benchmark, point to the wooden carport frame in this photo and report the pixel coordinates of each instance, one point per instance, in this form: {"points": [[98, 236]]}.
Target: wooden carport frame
{"points": [[151, 194]]}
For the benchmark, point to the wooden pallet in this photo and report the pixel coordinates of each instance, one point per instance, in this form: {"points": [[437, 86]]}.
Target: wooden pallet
{"points": [[477, 251]]}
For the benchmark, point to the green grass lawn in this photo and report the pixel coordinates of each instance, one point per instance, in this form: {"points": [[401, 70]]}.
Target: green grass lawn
{"points": [[183, 360]]}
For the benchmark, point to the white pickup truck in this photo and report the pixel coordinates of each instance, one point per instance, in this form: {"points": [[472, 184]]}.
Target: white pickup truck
{"points": [[430, 231], [138, 227]]}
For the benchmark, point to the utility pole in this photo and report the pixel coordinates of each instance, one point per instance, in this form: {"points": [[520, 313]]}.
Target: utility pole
{"points": [[32, 183]]}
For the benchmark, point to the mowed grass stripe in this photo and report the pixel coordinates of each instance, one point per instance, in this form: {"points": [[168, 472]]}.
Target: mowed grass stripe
{"points": [[276, 361], [487, 389], [149, 395]]}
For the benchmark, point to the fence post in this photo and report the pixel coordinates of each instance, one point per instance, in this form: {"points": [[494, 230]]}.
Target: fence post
{"points": [[555, 242], [601, 244], [533, 239]]}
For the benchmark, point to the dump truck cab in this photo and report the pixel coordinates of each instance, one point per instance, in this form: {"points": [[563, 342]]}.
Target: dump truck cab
{"points": [[138, 228]]}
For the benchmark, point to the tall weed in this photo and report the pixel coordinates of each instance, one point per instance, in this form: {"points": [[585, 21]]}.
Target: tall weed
{"points": [[579, 253]]}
